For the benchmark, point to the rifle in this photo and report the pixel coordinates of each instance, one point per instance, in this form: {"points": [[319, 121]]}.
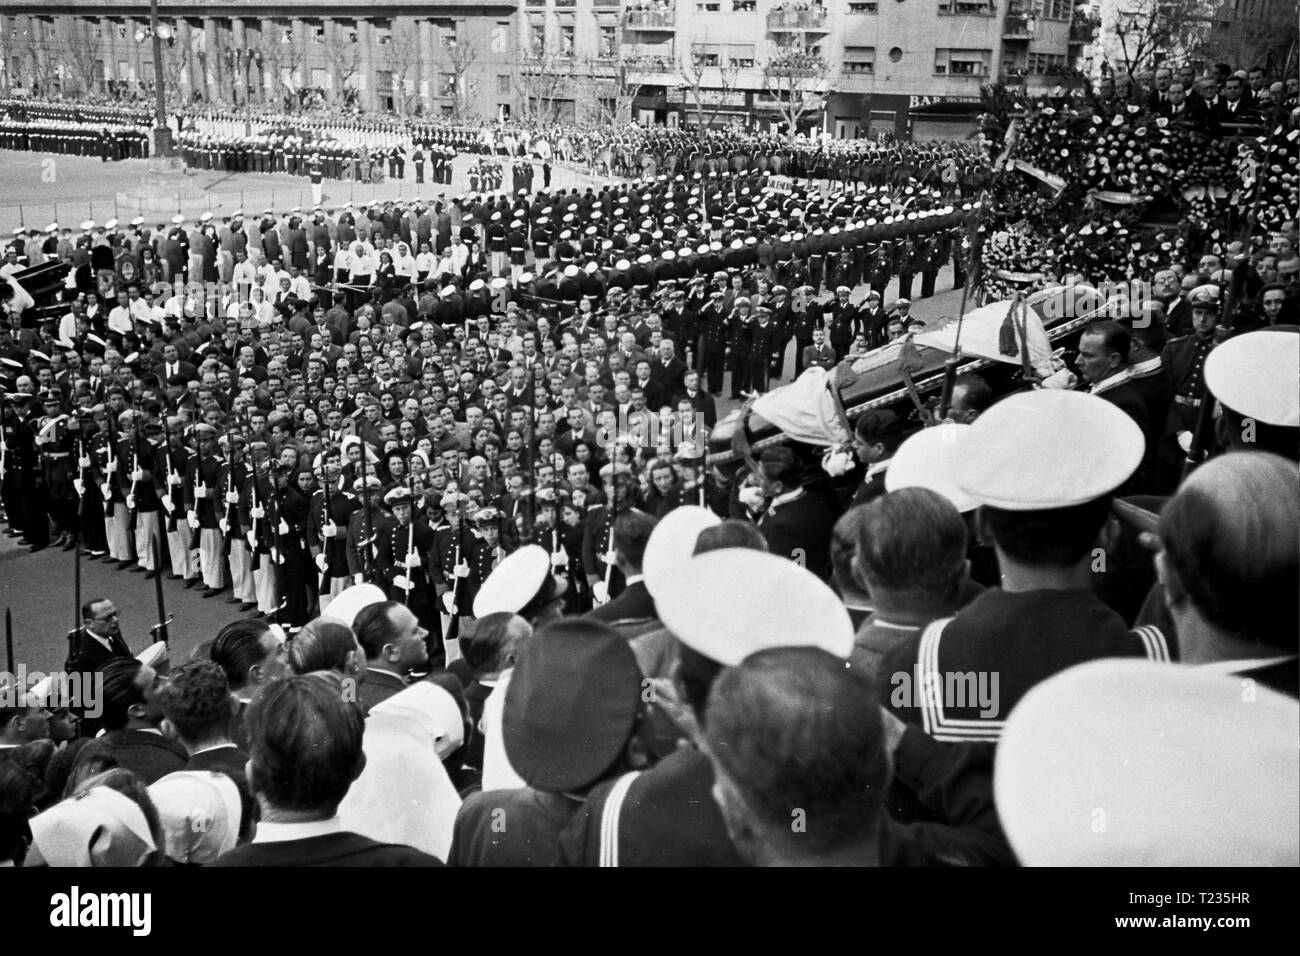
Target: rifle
{"points": [[110, 464], [76, 611], [135, 466], [367, 556], [9, 640], [329, 519], [159, 630], [410, 544], [613, 515]]}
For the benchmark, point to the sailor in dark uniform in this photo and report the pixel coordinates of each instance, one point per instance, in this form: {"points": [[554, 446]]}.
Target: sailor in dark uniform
{"points": [[1043, 465], [401, 554]]}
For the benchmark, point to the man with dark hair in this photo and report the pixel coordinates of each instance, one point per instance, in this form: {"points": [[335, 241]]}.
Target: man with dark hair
{"points": [[1044, 465], [911, 555], [304, 752], [133, 716], [876, 436], [797, 524], [792, 731], [634, 605], [198, 708], [1103, 364], [971, 397], [394, 645], [490, 649], [99, 638]]}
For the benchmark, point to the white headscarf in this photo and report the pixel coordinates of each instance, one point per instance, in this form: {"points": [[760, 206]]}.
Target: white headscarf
{"points": [[404, 794], [98, 828], [200, 813]]}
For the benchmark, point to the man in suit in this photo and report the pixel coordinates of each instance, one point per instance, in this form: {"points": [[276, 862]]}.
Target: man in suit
{"points": [[667, 371], [797, 524], [1178, 310], [819, 353], [700, 400], [305, 751], [171, 365], [633, 606], [99, 638], [1233, 107], [133, 716], [1103, 363], [197, 706]]}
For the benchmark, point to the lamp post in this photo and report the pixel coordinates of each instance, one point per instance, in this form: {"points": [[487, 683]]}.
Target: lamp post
{"points": [[162, 134]]}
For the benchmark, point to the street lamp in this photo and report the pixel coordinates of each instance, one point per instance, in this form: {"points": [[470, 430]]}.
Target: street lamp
{"points": [[162, 134]]}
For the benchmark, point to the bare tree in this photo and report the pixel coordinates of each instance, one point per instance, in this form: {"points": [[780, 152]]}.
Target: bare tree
{"points": [[1264, 34], [344, 62], [81, 45], [460, 57], [796, 79], [610, 88], [45, 63], [1148, 31], [402, 59], [541, 82], [175, 66], [708, 81]]}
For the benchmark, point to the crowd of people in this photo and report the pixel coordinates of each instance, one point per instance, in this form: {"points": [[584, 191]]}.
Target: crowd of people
{"points": [[448, 457], [1224, 102]]}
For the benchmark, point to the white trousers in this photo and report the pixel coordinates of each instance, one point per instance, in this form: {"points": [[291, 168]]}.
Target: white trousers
{"points": [[264, 584], [178, 545], [241, 571], [210, 563], [146, 530], [119, 534]]}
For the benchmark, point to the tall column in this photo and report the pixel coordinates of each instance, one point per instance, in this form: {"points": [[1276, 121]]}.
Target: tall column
{"points": [[429, 64], [366, 73], [212, 86]]}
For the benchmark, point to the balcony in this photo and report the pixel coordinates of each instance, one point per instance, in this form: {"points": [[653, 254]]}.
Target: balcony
{"points": [[662, 20], [790, 20], [1082, 32], [1017, 27], [650, 63]]}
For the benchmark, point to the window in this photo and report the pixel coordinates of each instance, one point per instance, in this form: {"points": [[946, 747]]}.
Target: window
{"points": [[537, 38], [608, 42], [861, 8], [895, 54], [859, 60], [707, 7], [1046, 64], [961, 62], [383, 32], [318, 34], [966, 8], [705, 55], [503, 84], [744, 6], [446, 84], [536, 3], [121, 31], [446, 110], [1055, 9], [566, 41]]}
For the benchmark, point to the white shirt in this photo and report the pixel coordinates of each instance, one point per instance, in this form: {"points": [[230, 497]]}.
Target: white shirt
{"points": [[245, 273], [282, 832], [425, 262], [119, 320], [68, 327]]}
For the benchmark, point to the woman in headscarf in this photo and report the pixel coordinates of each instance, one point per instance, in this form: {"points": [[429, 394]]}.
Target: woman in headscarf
{"points": [[110, 820], [404, 795], [200, 812], [293, 506]]}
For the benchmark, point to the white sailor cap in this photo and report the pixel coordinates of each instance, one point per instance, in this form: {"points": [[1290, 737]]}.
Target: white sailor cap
{"points": [[514, 582], [774, 603], [1184, 769], [52, 227], [928, 459], [446, 291], [110, 225], [672, 542], [476, 285], [206, 216], [88, 225], [1048, 449], [571, 271], [353, 600], [138, 221], [1255, 375], [178, 219]]}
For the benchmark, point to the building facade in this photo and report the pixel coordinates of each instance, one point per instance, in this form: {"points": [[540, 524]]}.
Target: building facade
{"points": [[911, 69]]}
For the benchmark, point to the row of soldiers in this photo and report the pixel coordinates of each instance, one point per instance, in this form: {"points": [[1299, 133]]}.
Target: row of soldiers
{"points": [[109, 143], [296, 156]]}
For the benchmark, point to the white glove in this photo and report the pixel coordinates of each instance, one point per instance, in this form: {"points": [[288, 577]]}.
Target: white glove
{"points": [[412, 560], [1063, 379], [83, 462], [175, 480], [358, 578], [167, 503], [107, 489], [600, 593], [837, 462], [137, 475], [610, 557], [331, 530], [449, 603], [402, 582], [559, 560], [258, 512], [252, 541], [80, 486], [1185, 441], [461, 570], [751, 497], [322, 562], [200, 490], [232, 497], [130, 502], [224, 525], [192, 518]]}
